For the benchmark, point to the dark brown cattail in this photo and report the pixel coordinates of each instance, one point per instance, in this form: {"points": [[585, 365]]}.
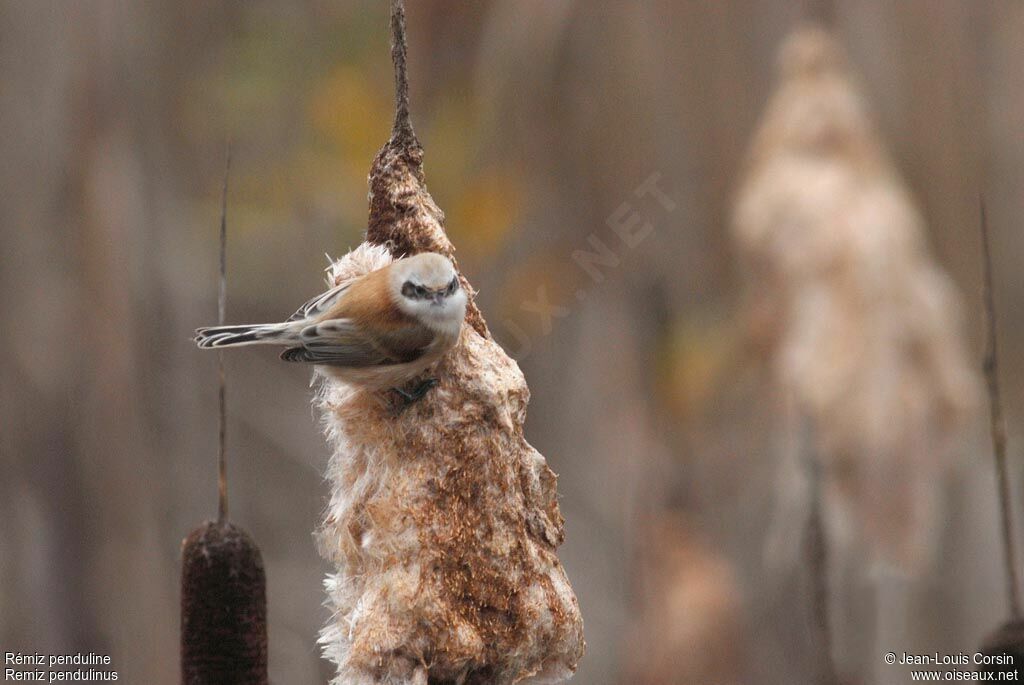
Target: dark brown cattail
{"points": [[223, 607], [223, 585]]}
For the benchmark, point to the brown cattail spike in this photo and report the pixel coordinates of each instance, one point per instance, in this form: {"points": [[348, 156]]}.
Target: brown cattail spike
{"points": [[223, 608], [402, 131], [403, 215], [443, 522]]}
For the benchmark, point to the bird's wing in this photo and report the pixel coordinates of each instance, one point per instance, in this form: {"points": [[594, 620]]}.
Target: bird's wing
{"points": [[341, 342], [319, 304], [405, 343]]}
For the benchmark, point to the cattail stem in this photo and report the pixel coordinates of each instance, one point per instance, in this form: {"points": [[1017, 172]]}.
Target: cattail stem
{"points": [[998, 424], [816, 560], [222, 305], [402, 132], [223, 583]]}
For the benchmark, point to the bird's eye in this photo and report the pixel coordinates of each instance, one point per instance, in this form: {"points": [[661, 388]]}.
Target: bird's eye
{"points": [[453, 286], [421, 291], [408, 289]]}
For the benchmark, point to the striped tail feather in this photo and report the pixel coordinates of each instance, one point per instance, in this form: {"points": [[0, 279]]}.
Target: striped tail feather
{"points": [[250, 334]]}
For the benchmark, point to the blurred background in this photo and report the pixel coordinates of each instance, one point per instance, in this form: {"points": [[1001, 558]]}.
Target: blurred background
{"points": [[545, 124]]}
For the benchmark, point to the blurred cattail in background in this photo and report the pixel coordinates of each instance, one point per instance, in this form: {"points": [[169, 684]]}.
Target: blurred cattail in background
{"points": [[223, 583], [443, 521], [858, 324], [688, 628], [859, 329]]}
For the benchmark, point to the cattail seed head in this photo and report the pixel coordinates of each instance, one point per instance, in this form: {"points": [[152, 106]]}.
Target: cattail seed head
{"points": [[223, 607], [858, 323], [443, 522]]}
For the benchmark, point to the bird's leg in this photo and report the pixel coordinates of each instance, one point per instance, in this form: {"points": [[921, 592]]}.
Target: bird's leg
{"points": [[417, 393]]}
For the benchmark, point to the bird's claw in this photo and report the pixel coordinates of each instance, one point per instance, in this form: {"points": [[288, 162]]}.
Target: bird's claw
{"points": [[414, 395]]}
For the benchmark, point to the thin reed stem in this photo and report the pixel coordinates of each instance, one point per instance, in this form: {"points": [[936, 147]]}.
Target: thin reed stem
{"points": [[222, 305], [816, 559], [998, 424]]}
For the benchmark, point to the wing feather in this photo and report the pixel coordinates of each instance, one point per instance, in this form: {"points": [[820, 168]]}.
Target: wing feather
{"points": [[319, 304], [341, 342]]}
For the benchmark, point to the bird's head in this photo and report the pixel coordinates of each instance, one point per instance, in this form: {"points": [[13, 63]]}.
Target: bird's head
{"points": [[426, 286]]}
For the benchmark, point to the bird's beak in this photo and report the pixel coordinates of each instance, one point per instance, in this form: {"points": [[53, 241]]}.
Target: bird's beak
{"points": [[438, 297]]}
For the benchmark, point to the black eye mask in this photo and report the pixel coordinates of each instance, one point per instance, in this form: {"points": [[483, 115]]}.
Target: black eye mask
{"points": [[418, 292], [414, 292]]}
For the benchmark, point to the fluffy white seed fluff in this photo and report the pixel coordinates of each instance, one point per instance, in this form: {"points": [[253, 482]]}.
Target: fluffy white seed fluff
{"points": [[443, 525]]}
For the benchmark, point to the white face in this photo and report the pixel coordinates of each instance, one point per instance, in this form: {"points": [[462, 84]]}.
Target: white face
{"points": [[427, 288]]}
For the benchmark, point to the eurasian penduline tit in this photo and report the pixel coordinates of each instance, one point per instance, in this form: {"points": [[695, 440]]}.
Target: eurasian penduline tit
{"points": [[377, 331]]}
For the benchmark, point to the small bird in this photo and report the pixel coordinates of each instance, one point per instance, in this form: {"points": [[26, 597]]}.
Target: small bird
{"points": [[378, 331]]}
